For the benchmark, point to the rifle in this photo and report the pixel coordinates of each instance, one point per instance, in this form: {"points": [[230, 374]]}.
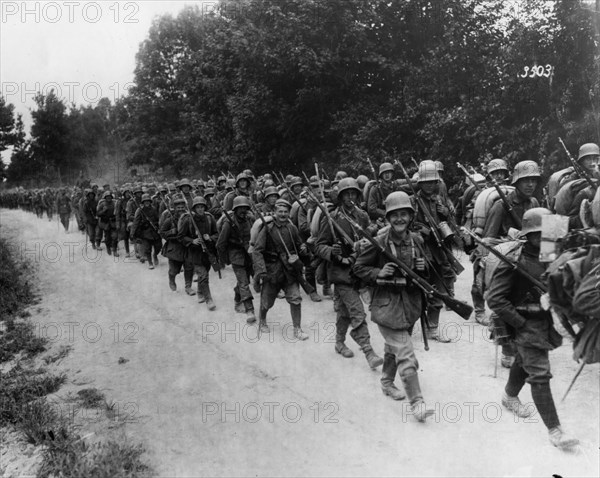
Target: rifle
{"points": [[471, 178], [519, 268], [214, 260], [372, 169], [461, 308], [580, 170], [507, 205], [456, 265]]}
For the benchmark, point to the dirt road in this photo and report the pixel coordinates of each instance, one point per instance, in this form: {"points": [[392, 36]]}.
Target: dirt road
{"points": [[207, 398]]}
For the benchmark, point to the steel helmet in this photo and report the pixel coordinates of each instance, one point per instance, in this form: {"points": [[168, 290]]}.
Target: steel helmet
{"points": [[496, 165], [588, 149], [268, 183], [221, 179], [179, 199], [397, 200], [210, 183], [199, 200], [296, 181], [146, 197], [347, 183], [362, 180], [230, 184], [525, 169], [288, 178], [341, 175], [428, 171], [532, 219], [267, 176], [209, 192], [314, 181], [241, 201], [271, 191], [184, 182], [164, 188], [240, 177], [478, 178], [283, 202], [439, 166], [107, 194], [384, 167]]}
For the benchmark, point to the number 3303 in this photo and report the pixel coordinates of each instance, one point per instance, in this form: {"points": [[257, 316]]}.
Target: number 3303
{"points": [[534, 71]]}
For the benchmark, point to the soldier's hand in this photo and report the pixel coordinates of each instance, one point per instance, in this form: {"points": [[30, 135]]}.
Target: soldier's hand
{"points": [[206, 237], [420, 264], [197, 242], [443, 210], [336, 249], [387, 271]]}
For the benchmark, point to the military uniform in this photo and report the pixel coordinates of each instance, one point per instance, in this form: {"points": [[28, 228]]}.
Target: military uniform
{"points": [[145, 228]]}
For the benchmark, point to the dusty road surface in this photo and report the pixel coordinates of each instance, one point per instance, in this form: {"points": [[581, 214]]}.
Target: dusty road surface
{"points": [[206, 397]]}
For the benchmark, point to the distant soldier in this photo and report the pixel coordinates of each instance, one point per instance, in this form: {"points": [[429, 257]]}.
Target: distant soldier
{"points": [[270, 195], [340, 258], [132, 206], [378, 193], [173, 249], [276, 262], [63, 207], [185, 189], [91, 221], [145, 228], [232, 247], [242, 188], [516, 301], [121, 218], [396, 308], [199, 247], [107, 221]]}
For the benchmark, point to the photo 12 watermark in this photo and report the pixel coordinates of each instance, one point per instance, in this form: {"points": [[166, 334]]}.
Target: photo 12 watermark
{"points": [[69, 12]]}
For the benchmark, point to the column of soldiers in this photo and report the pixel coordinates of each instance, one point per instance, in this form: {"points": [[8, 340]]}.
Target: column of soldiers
{"points": [[343, 235]]}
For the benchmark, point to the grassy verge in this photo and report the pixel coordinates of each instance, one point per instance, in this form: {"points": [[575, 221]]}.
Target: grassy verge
{"points": [[24, 387]]}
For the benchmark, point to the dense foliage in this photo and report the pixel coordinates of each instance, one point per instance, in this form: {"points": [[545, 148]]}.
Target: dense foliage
{"points": [[278, 84]]}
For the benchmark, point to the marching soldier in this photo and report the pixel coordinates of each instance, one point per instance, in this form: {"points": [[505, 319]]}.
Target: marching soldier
{"points": [[185, 189], [198, 233], [145, 228], [232, 247], [516, 301], [442, 276], [378, 193], [276, 262], [91, 221], [396, 305], [340, 259], [271, 195], [173, 249], [108, 222], [133, 205], [121, 218], [242, 188], [526, 176], [63, 207]]}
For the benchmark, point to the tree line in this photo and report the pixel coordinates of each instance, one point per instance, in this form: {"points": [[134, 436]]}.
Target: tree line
{"points": [[279, 84]]}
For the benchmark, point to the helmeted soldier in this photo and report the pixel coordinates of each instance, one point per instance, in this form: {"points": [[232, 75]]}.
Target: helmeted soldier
{"points": [[185, 189], [442, 274], [232, 247], [173, 249], [108, 222], [396, 305], [270, 195], [121, 217], [516, 301], [340, 258], [133, 205], [242, 188], [89, 211], [198, 233], [497, 170], [63, 207], [145, 228], [277, 264], [378, 193]]}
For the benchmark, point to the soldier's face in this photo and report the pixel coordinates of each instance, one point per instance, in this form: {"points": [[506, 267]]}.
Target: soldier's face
{"points": [[400, 220], [243, 184], [590, 162], [271, 199], [498, 176], [282, 213], [297, 189], [147, 204], [180, 208], [428, 187], [185, 189], [241, 212], [387, 176], [199, 209], [349, 197], [526, 186]]}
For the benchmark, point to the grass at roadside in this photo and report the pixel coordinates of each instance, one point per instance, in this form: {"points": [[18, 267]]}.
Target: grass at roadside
{"points": [[24, 388]]}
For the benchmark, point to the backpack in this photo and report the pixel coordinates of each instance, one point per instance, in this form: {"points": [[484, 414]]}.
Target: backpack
{"points": [[512, 250], [255, 230], [566, 196], [556, 181], [484, 203]]}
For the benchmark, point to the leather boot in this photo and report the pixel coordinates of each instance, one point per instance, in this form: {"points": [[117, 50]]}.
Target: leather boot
{"points": [[343, 350], [415, 397], [373, 359], [172, 284], [239, 307], [514, 405], [249, 307], [315, 297], [326, 290], [296, 311], [208, 296], [188, 277], [262, 317], [560, 439], [388, 374]]}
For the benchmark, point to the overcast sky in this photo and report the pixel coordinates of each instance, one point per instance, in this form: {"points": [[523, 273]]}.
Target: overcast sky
{"points": [[84, 50]]}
